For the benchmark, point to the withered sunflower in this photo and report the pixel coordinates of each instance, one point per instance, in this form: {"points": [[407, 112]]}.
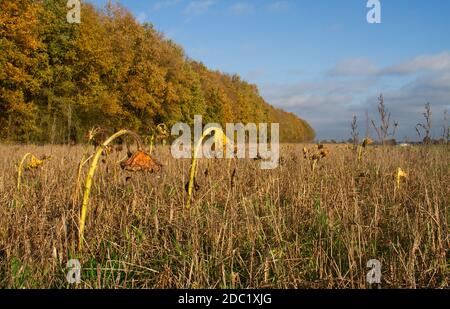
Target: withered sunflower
{"points": [[140, 161]]}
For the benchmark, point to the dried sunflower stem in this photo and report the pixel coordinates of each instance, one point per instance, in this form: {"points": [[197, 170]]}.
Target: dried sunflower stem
{"points": [[313, 165], [19, 173], [90, 176], [360, 149], [193, 168], [83, 161]]}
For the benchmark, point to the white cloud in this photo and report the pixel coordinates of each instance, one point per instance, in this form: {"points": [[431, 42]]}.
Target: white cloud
{"points": [[326, 105], [407, 102], [285, 95], [198, 6], [354, 67], [352, 87], [365, 67], [438, 62]]}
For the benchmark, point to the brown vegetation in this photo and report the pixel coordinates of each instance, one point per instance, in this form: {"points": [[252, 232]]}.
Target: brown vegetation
{"points": [[283, 228]]}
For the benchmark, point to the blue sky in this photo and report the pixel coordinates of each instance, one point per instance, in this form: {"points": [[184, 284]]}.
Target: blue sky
{"points": [[320, 59]]}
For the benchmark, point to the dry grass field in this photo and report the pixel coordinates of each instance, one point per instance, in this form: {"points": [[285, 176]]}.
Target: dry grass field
{"points": [[247, 227]]}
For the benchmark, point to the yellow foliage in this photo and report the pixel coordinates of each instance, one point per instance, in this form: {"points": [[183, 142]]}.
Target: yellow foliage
{"points": [[34, 163], [399, 175]]}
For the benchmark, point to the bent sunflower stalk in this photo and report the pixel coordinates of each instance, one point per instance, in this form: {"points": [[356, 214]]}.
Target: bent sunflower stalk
{"points": [[19, 173], [219, 136], [366, 142], [34, 163], [90, 176]]}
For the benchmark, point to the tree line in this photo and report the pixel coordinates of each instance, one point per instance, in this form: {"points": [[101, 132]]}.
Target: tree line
{"points": [[58, 80]]}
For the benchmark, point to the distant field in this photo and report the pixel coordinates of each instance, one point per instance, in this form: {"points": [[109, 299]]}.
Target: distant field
{"points": [[282, 228]]}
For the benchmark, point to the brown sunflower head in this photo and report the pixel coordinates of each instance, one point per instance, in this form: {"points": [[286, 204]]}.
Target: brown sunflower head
{"points": [[366, 142], [162, 131], [93, 136], [141, 161], [324, 152]]}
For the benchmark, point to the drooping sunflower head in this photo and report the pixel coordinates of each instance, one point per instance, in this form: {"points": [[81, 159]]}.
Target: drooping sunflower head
{"points": [[141, 161], [90, 136], [366, 142], [161, 130], [401, 173], [324, 152], [36, 163]]}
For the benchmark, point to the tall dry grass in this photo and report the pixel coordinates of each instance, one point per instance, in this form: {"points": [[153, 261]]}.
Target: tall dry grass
{"points": [[247, 228]]}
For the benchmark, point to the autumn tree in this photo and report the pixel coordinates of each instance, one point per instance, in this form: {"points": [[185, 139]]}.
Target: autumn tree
{"points": [[57, 80], [20, 62]]}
